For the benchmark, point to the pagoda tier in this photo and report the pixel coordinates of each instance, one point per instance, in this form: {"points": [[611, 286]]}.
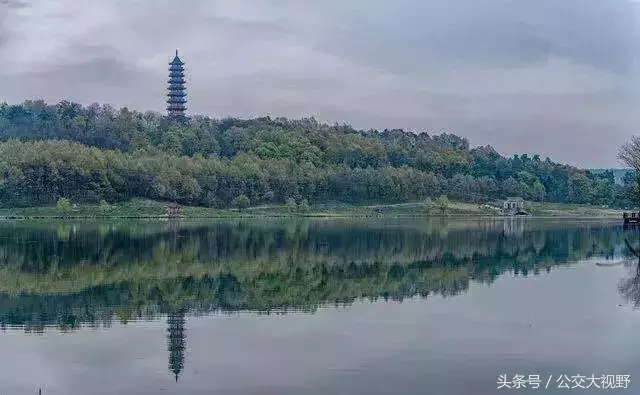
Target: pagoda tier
{"points": [[176, 89], [176, 61]]}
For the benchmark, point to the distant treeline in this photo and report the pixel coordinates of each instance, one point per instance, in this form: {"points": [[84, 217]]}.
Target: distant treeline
{"points": [[618, 174], [116, 155]]}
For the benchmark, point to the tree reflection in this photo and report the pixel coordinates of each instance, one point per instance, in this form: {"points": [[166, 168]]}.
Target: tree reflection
{"points": [[630, 287], [66, 276], [137, 272]]}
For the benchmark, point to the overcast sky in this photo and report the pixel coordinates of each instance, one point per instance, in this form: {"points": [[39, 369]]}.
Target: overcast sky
{"points": [[555, 77]]}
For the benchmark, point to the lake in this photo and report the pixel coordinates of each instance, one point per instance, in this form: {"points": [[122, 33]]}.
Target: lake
{"points": [[340, 306]]}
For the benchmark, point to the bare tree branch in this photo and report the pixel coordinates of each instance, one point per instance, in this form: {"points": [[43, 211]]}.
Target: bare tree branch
{"points": [[629, 153]]}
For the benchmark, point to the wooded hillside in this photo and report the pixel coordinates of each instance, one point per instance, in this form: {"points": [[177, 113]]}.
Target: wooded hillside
{"points": [[115, 155]]}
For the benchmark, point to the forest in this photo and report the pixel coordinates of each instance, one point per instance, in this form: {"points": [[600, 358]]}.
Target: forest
{"points": [[89, 154]]}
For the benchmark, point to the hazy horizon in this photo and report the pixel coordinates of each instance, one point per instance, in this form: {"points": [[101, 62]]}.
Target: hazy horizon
{"points": [[554, 77]]}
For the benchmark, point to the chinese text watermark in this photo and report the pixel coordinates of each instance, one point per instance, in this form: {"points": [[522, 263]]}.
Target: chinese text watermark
{"points": [[563, 381]]}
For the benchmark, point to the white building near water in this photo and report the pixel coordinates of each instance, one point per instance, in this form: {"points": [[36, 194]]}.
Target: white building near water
{"points": [[512, 205]]}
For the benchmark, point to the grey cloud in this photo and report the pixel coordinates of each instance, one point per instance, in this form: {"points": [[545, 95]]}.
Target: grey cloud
{"points": [[418, 35], [99, 71], [4, 10], [102, 80], [15, 4]]}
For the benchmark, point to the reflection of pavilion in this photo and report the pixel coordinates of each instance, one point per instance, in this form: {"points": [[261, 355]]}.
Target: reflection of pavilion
{"points": [[176, 341], [513, 226]]}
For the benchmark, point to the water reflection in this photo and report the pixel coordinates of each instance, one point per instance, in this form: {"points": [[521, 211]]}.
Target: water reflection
{"points": [[630, 287], [72, 275], [176, 341]]}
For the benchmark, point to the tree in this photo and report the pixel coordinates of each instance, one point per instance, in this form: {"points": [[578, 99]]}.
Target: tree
{"points": [[629, 153], [303, 206], [241, 202], [538, 190], [291, 204], [428, 205], [104, 206], [443, 203], [629, 192], [63, 205]]}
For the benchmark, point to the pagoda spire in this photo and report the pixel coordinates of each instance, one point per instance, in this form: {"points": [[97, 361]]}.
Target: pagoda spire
{"points": [[177, 90]]}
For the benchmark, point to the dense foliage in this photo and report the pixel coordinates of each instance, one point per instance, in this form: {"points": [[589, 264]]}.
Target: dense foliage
{"points": [[116, 155]]}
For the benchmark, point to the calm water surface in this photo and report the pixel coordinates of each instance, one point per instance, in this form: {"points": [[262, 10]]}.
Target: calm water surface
{"points": [[316, 307]]}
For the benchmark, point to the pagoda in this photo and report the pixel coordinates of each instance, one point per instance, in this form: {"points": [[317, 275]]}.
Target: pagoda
{"points": [[177, 95]]}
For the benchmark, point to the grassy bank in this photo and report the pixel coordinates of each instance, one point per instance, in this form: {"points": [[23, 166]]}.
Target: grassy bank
{"points": [[152, 209], [571, 210]]}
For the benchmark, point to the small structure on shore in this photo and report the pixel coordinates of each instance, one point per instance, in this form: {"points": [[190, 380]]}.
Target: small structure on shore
{"points": [[630, 218], [173, 210], [513, 206]]}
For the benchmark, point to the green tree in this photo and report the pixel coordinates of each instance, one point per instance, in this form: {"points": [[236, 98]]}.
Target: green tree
{"points": [[538, 190], [304, 206], [443, 203], [104, 207], [291, 204], [63, 205], [428, 205], [241, 202]]}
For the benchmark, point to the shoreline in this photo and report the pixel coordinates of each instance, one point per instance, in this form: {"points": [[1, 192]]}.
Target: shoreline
{"points": [[153, 210], [310, 215]]}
